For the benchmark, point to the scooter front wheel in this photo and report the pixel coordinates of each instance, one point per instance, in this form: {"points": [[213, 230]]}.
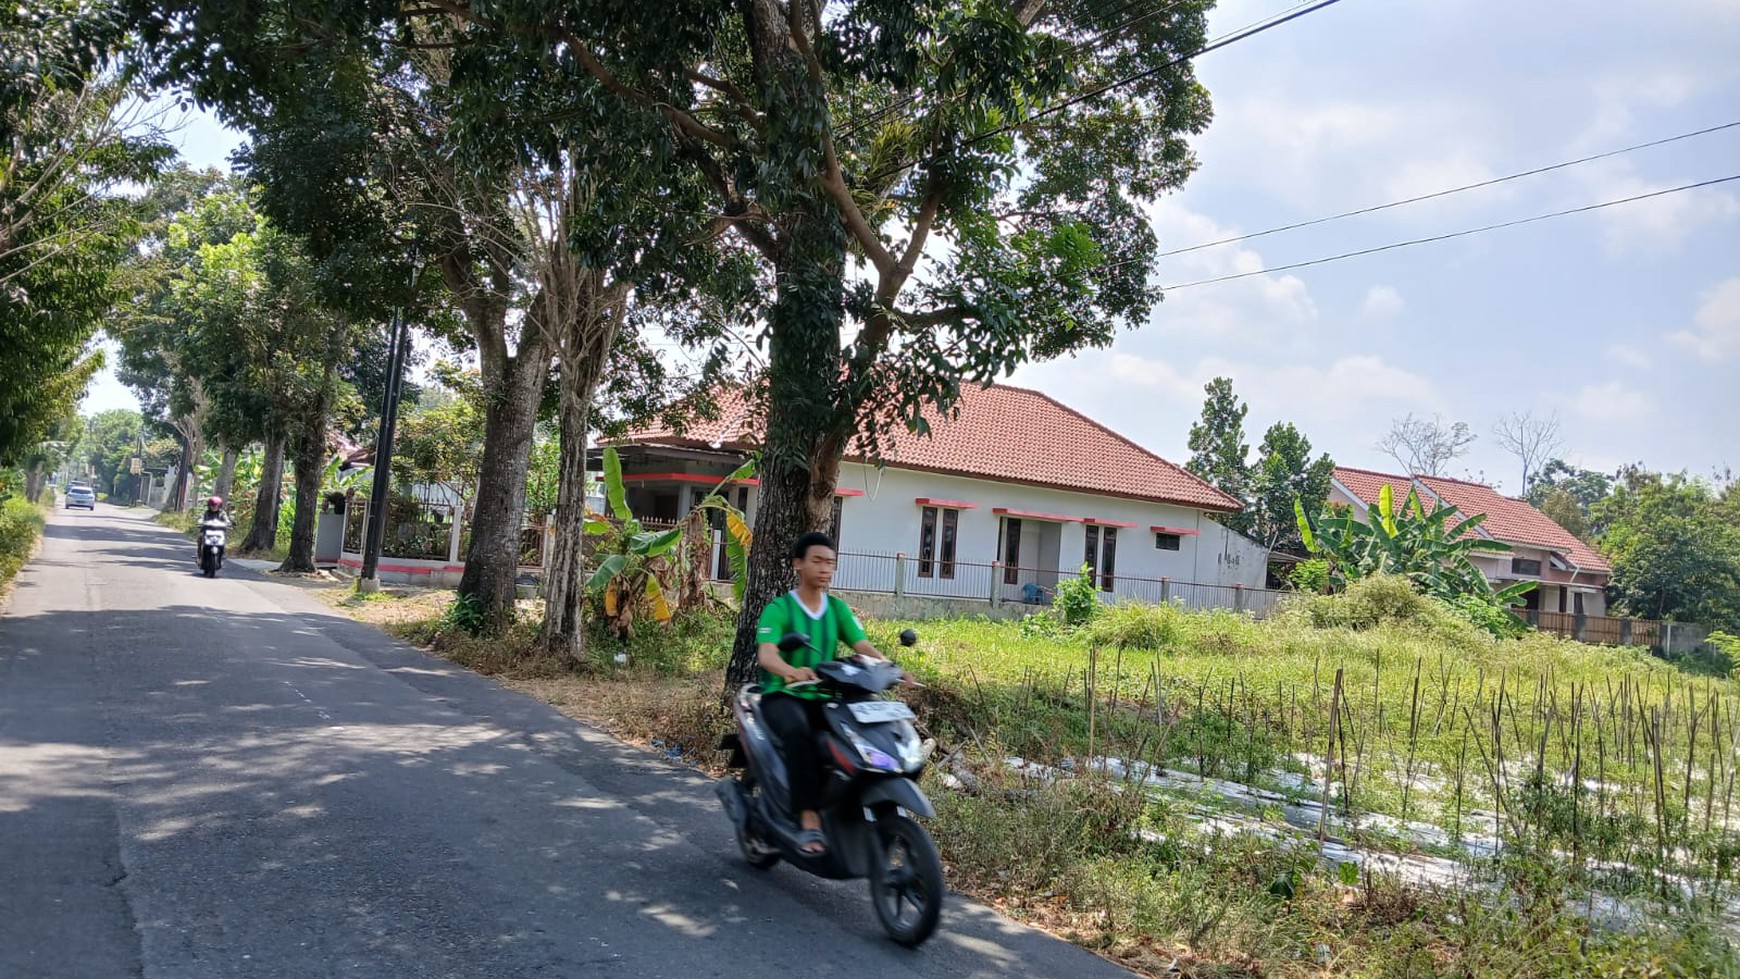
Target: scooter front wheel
{"points": [[755, 853], [906, 881]]}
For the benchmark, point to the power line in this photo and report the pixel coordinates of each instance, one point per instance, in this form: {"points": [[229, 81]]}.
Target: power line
{"points": [[1452, 190], [1453, 234], [1243, 33], [877, 115]]}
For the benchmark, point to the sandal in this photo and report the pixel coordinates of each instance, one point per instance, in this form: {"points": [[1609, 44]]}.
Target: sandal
{"points": [[811, 843]]}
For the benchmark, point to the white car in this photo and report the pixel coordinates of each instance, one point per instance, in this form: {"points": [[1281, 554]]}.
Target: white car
{"points": [[79, 494]]}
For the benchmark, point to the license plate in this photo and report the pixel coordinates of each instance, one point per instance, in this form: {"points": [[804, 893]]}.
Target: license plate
{"points": [[881, 711]]}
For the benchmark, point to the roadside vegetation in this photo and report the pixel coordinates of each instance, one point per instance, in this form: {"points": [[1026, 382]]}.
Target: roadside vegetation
{"points": [[21, 523], [1150, 782]]}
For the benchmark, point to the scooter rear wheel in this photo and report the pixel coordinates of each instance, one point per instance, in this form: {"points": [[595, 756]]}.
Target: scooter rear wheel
{"points": [[906, 884]]}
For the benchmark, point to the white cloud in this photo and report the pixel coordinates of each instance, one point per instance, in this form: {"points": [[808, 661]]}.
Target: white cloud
{"points": [[1657, 225], [1626, 355], [1346, 389], [1718, 324], [1245, 309], [1610, 402], [1382, 302]]}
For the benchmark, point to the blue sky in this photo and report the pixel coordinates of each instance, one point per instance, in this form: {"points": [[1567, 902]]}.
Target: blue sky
{"points": [[1625, 321]]}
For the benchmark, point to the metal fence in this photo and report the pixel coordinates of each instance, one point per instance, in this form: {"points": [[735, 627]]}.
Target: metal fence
{"points": [[423, 531], [994, 583]]}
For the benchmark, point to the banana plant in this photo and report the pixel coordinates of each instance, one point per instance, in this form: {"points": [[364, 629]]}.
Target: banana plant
{"points": [[646, 567], [1425, 547]]}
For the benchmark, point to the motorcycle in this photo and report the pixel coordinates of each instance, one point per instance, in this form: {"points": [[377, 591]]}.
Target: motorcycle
{"points": [[212, 537], [874, 757]]}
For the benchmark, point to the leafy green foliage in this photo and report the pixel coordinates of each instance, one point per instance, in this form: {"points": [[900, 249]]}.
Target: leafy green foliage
{"points": [[1078, 598], [440, 441], [1425, 548], [21, 523], [1310, 576], [1674, 544], [1218, 450], [1286, 475], [65, 148]]}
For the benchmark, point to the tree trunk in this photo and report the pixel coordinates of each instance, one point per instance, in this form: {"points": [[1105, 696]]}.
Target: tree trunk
{"points": [[226, 474], [34, 480], [564, 632], [492, 564], [175, 500], [263, 532], [310, 452], [801, 456]]}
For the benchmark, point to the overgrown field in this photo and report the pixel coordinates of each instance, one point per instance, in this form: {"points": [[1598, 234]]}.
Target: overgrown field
{"points": [[1519, 807]]}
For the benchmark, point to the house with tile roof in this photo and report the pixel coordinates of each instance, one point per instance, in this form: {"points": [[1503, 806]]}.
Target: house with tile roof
{"points": [[1570, 576], [1004, 497]]}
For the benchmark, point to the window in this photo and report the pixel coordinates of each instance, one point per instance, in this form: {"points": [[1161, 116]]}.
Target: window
{"points": [[1578, 603], [1011, 551], [927, 542], [1520, 565], [950, 526], [1102, 554], [834, 521], [1108, 558], [1167, 542]]}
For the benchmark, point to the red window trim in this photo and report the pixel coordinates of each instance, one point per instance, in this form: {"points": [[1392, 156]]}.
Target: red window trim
{"points": [[848, 492], [945, 504], [1032, 515], [1097, 522], [683, 478], [1180, 531]]}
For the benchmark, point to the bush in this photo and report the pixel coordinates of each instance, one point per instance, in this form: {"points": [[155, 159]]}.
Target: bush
{"points": [[1131, 626], [1368, 602], [1310, 576], [20, 524], [1490, 616], [1078, 599]]}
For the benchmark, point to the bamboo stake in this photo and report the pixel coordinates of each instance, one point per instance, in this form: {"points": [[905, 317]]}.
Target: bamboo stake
{"points": [[1329, 756]]}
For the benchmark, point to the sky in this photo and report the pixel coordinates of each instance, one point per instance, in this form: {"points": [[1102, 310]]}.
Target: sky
{"points": [[1625, 321]]}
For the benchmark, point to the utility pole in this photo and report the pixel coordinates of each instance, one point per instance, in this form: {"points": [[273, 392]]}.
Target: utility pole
{"points": [[375, 533]]}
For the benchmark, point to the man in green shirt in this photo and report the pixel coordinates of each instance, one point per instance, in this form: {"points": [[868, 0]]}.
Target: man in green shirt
{"points": [[795, 715]]}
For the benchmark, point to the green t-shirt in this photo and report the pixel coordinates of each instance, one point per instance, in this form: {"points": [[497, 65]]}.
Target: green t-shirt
{"points": [[835, 625]]}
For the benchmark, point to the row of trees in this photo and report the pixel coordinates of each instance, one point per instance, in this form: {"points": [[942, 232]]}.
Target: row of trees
{"points": [[889, 200]]}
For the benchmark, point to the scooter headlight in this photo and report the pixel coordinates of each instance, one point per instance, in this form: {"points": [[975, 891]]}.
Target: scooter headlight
{"points": [[872, 756]]}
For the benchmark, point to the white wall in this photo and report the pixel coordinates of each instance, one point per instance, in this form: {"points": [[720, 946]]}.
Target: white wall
{"points": [[886, 520]]}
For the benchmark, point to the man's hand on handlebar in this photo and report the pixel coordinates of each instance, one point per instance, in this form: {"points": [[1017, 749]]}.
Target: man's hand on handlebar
{"points": [[801, 674]]}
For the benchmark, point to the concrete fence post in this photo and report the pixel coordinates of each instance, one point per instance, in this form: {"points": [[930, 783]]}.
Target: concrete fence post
{"points": [[900, 575], [452, 535], [1165, 590], [996, 583], [1238, 596]]}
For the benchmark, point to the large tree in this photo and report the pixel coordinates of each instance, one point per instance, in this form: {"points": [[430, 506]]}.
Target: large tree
{"points": [[1675, 549], [1532, 439], [984, 165], [1219, 453], [67, 144], [1286, 474]]}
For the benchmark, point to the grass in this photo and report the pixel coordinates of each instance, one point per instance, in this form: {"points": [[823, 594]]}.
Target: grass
{"points": [[188, 520], [21, 524], [1604, 771]]}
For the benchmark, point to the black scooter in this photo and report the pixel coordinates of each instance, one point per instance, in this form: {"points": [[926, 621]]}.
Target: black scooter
{"points": [[873, 758]]}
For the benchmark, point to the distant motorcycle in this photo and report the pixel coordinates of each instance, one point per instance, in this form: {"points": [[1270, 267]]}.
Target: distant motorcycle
{"points": [[874, 757], [212, 537]]}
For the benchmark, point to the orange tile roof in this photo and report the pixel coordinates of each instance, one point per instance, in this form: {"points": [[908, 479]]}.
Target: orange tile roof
{"points": [[1514, 521], [1368, 485], [1002, 433]]}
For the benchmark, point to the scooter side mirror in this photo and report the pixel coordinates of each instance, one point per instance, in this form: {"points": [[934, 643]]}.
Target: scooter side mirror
{"points": [[791, 642], [908, 638]]}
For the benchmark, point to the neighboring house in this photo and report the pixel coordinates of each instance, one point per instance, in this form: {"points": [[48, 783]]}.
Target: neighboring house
{"points": [[1008, 495], [1571, 575]]}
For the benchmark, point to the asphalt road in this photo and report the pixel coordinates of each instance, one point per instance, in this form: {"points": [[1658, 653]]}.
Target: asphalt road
{"points": [[226, 778]]}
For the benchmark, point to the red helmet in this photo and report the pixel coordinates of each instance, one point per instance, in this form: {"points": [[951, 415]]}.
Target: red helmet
{"points": [[214, 502]]}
